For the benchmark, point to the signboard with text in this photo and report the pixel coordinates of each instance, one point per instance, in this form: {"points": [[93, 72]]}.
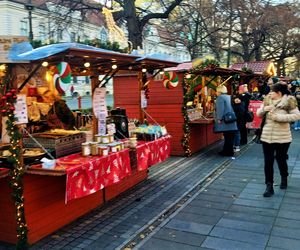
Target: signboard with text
{"points": [[253, 106]]}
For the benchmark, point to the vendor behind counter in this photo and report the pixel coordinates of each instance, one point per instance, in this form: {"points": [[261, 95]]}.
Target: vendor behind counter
{"points": [[54, 115]]}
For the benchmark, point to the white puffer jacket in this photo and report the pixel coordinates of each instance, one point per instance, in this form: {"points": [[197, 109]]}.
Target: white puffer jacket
{"points": [[277, 129]]}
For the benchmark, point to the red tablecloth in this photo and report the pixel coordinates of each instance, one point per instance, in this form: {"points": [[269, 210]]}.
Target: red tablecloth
{"points": [[152, 152], [94, 173], [3, 172], [87, 175]]}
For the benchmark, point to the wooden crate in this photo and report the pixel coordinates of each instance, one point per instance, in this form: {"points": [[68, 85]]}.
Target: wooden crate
{"points": [[114, 190]]}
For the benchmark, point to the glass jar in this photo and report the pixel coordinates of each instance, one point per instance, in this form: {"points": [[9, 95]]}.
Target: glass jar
{"points": [[85, 149], [94, 148]]}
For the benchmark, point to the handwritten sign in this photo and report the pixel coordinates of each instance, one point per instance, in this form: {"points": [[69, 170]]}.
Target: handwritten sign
{"points": [[21, 110]]}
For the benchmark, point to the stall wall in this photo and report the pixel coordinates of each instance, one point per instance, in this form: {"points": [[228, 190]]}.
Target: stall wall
{"points": [[164, 106]]}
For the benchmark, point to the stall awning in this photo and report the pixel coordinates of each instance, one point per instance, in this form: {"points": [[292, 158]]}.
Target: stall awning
{"points": [[77, 54]]}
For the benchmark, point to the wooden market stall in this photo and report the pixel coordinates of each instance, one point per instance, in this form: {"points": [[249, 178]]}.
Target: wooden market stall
{"points": [[73, 184], [182, 100]]}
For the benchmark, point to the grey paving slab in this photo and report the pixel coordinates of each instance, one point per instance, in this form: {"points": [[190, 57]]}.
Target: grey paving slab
{"points": [[245, 225], [191, 227], [290, 223], [204, 211], [240, 235], [267, 203], [180, 236], [251, 217], [209, 204], [224, 244], [204, 219], [289, 214], [284, 243], [254, 210], [159, 244], [286, 232]]}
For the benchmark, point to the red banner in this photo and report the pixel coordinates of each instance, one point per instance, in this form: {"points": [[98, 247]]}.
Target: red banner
{"points": [[152, 152], [253, 106]]}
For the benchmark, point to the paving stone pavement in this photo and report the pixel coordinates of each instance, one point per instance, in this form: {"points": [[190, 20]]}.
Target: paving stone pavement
{"points": [[201, 202], [231, 212]]}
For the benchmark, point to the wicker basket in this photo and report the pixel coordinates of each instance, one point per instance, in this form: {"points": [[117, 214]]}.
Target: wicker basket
{"points": [[62, 145]]}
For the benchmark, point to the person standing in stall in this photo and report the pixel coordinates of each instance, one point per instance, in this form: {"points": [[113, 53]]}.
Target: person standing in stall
{"points": [[59, 115], [223, 106]]}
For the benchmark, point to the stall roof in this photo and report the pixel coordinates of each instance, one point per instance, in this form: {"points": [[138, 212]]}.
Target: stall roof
{"points": [[77, 54]]}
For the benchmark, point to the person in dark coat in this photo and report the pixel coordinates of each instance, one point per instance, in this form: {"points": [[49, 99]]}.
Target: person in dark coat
{"points": [[223, 106], [59, 116], [245, 97], [239, 110]]}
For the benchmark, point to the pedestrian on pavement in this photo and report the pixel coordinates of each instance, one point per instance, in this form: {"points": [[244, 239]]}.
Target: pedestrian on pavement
{"points": [[297, 95], [279, 108], [245, 97], [239, 110], [222, 107]]}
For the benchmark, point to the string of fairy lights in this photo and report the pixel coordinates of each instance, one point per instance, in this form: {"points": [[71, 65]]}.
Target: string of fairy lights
{"points": [[186, 86], [8, 98]]}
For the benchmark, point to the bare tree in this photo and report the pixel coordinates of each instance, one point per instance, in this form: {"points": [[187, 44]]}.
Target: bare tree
{"points": [[133, 16]]}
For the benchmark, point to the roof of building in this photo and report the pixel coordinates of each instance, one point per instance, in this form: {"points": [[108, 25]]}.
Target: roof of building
{"points": [[259, 67]]}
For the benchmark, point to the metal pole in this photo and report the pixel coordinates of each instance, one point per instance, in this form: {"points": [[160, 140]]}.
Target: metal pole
{"points": [[30, 8]]}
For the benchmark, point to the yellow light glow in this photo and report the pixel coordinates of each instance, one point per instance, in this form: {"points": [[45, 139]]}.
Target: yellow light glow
{"points": [[188, 76], [45, 64], [48, 76], [161, 72], [144, 70], [114, 66], [87, 64], [2, 67]]}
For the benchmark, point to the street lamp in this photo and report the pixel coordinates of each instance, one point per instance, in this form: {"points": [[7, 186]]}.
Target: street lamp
{"points": [[29, 7]]}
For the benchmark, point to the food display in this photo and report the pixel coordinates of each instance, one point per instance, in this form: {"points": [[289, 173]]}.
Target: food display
{"points": [[58, 142]]}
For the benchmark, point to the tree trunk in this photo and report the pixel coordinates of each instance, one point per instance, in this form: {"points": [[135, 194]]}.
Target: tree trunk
{"points": [[135, 31]]}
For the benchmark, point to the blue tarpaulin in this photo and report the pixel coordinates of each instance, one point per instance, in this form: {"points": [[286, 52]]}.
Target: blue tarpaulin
{"points": [[24, 52]]}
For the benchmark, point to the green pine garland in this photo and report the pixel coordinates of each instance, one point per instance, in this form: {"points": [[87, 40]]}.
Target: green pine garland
{"points": [[8, 98]]}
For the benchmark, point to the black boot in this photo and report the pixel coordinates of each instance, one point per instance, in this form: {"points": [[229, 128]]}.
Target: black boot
{"points": [[283, 184], [269, 190]]}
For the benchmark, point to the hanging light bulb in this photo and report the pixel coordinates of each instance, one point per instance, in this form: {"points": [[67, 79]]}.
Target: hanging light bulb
{"points": [[161, 72], [2, 67], [188, 76], [144, 70], [45, 64], [114, 66], [87, 64]]}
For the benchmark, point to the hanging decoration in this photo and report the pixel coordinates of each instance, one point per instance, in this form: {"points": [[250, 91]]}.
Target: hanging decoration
{"points": [[8, 98], [170, 80], [115, 33], [186, 128], [62, 77]]}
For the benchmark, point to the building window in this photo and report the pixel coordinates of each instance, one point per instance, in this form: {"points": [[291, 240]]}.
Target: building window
{"points": [[24, 28], [59, 35], [42, 32], [73, 36], [103, 35]]}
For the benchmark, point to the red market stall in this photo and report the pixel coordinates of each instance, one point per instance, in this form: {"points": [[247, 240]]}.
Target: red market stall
{"points": [[188, 120], [74, 183]]}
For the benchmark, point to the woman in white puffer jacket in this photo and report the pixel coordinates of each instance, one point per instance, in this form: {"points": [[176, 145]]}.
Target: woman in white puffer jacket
{"points": [[280, 108]]}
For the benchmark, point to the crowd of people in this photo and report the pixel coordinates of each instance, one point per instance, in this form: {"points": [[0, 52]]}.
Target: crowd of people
{"points": [[279, 109]]}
